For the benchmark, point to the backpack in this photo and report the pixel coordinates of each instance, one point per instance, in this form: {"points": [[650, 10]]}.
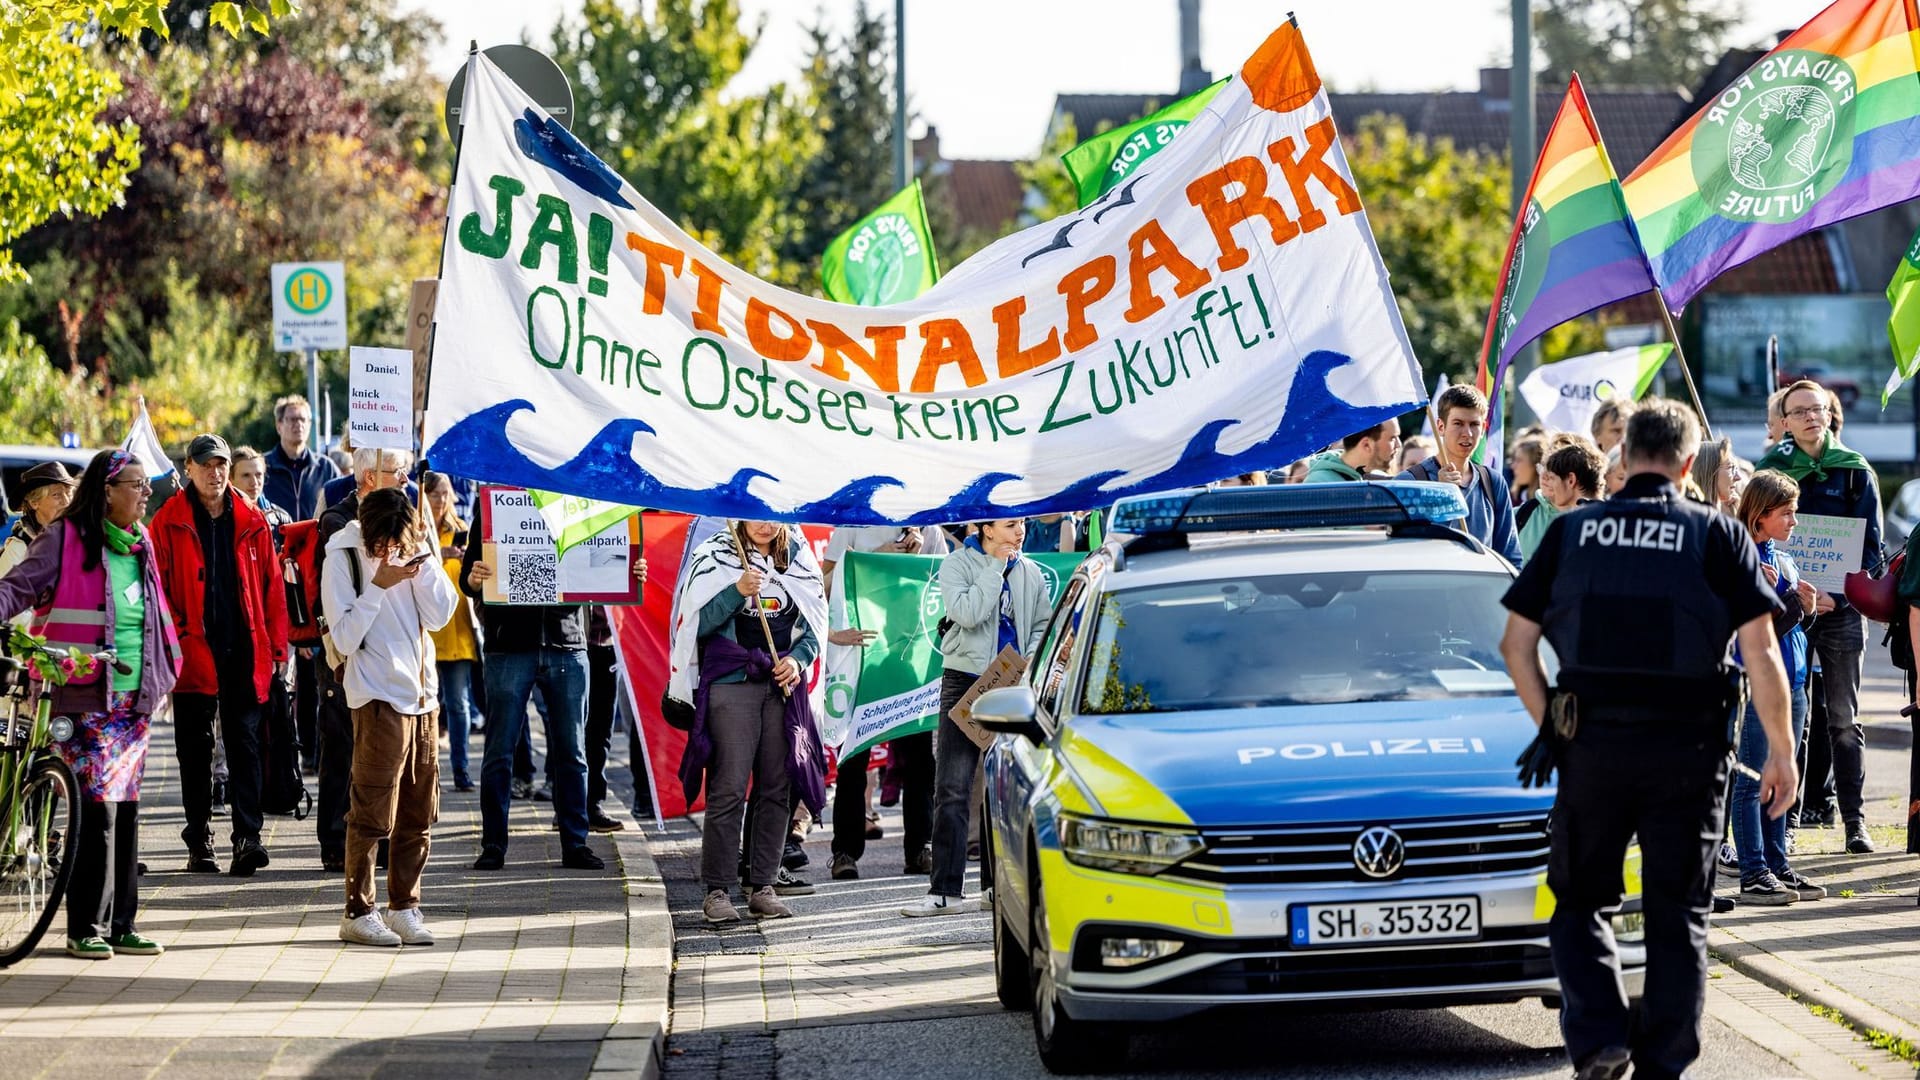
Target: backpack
{"points": [[300, 565], [1899, 640]]}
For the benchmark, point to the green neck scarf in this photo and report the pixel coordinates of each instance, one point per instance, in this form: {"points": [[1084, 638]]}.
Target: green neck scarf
{"points": [[118, 539], [1788, 458]]}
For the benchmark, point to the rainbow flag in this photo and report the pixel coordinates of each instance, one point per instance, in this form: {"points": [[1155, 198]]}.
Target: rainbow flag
{"points": [[1573, 248], [1823, 128]]}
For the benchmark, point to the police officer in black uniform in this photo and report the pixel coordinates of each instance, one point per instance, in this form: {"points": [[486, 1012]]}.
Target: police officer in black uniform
{"points": [[1639, 597]]}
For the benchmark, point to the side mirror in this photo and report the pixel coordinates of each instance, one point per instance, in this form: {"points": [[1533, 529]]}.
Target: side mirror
{"points": [[1009, 710]]}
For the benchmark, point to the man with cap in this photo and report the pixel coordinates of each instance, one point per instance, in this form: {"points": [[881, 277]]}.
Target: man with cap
{"points": [[222, 580], [45, 491]]}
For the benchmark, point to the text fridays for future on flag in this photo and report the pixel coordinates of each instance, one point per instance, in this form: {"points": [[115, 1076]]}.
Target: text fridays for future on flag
{"points": [[886, 257], [1228, 313]]}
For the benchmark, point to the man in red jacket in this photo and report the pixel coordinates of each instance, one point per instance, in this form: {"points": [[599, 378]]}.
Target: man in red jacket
{"points": [[217, 565]]}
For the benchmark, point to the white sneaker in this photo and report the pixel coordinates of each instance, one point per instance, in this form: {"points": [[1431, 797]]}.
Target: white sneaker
{"points": [[367, 930], [410, 925], [934, 904]]}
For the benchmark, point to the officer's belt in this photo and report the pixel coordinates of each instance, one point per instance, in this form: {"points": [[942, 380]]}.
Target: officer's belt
{"points": [[1649, 695]]}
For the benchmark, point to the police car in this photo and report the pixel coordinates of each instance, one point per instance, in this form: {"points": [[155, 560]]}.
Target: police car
{"points": [[1264, 756]]}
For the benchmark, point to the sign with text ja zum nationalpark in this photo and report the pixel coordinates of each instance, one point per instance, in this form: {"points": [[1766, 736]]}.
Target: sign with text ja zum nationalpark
{"points": [[1222, 311]]}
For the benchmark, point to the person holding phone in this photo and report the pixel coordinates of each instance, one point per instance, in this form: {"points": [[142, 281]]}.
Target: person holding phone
{"points": [[384, 598], [456, 646]]}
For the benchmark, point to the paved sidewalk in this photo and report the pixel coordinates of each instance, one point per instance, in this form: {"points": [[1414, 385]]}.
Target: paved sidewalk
{"points": [[536, 969], [1857, 952]]}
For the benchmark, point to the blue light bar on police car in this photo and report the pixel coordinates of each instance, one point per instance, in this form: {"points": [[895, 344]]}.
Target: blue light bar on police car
{"points": [[1290, 506]]}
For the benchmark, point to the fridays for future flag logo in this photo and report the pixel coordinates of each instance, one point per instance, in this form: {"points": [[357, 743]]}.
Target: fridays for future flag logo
{"points": [[1222, 311], [886, 257]]}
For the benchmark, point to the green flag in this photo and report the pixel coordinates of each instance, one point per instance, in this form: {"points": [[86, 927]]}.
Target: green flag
{"points": [[886, 257], [1113, 155], [1903, 327], [573, 520], [895, 689]]}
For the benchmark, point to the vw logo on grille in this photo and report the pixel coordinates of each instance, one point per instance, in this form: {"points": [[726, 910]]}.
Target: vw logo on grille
{"points": [[1379, 852]]}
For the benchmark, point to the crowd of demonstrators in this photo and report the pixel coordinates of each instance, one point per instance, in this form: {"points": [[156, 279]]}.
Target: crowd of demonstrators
{"points": [[1835, 482], [223, 582], [1569, 475], [752, 615], [385, 595], [97, 557]]}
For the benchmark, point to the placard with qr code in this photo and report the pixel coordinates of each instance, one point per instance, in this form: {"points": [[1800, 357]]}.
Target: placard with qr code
{"points": [[528, 569]]}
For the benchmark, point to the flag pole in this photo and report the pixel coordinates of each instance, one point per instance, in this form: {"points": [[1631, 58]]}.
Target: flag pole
{"points": [[1686, 372]]}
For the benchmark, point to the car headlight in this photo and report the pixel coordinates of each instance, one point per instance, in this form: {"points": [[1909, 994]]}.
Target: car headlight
{"points": [[1126, 849]]}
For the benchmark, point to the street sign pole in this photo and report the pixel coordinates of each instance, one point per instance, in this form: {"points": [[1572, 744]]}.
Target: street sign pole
{"points": [[313, 379]]}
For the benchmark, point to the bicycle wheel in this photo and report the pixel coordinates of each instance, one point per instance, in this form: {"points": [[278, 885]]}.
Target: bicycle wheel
{"points": [[33, 875]]}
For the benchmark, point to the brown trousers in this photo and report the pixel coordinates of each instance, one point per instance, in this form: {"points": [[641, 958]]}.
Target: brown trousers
{"points": [[396, 793]]}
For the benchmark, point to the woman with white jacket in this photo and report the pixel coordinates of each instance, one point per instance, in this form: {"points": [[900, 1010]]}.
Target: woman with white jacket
{"points": [[384, 594], [994, 598]]}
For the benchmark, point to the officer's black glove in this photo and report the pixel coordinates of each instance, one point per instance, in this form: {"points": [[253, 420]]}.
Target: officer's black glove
{"points": [[1537, 761]]}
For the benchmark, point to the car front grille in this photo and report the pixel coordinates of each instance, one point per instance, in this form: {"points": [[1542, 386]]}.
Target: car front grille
{"points": [[1323, 854], [1407, 969]]}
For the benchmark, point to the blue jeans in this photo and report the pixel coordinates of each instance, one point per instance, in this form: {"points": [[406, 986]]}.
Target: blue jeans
{"points": [[561, 675], [456, 704], [1761, 840]]}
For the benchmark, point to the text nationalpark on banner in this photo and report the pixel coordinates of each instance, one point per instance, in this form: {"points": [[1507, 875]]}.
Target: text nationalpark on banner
{"points": [[1223, 311]]}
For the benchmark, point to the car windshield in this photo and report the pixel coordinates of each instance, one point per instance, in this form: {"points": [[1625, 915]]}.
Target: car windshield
{"points": [[1298, 639]]}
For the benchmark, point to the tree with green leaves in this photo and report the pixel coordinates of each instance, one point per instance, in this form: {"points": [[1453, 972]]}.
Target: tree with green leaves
{"points": [[1633, 42], [650, 80], [58, 156], [850, 81]]}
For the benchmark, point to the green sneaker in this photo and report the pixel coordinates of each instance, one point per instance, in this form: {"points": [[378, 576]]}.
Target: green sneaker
{"points": [[89, 948], [131, 944]]}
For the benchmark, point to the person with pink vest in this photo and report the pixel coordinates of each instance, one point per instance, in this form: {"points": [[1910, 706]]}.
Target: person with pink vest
{"points": [[91, 581]]}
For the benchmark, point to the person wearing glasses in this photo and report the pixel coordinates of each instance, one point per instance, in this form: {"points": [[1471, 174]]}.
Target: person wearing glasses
{"points": [[295, 474], [373, 470], [1834, 482], [223, 582], [93, 583]]}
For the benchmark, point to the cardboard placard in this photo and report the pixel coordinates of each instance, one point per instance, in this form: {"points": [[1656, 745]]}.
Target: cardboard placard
{"points": [[1827, 549], [1005, 670]]}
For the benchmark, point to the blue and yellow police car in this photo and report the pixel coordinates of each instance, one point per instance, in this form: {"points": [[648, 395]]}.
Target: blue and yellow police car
{"points": [[1263, 757]]}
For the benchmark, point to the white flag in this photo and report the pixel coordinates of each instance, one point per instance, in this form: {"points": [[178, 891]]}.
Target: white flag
{"points": [[1567, 394], [142, 443]]}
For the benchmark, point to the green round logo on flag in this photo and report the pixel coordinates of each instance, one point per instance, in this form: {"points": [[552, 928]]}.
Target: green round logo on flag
{"points": [[1604, 390], [1139, 147], [1778, 139], [1049, 575], [1528, 270], [883, 261]]}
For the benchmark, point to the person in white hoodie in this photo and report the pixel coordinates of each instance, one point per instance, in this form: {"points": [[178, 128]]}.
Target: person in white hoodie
{"points": [[384, 593]]}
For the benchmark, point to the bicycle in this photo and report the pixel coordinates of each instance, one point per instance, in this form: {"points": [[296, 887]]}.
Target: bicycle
{"points": [[39, 804]]}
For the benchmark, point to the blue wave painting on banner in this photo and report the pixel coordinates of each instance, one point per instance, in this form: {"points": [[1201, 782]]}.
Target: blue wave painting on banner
{"points": [[1223, 312]]}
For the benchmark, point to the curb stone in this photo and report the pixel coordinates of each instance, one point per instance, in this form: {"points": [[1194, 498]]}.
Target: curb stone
{"points": [[636, 1041], [1763, 967]]}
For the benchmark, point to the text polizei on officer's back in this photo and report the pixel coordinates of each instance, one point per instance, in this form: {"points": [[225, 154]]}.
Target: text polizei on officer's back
{"points": [[1652, 533]]}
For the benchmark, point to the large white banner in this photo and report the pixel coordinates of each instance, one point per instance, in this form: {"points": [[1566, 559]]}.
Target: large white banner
{"points": [[1223, 311]]}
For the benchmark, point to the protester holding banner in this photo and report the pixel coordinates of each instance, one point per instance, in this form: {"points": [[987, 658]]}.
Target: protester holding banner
{"points": [[1835, 482], [995, 600], [748, 623], [456, 646]]}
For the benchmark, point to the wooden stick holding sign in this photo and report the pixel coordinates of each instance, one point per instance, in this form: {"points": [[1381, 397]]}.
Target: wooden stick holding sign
{"points": [[733, 533], [1004, 670]]}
